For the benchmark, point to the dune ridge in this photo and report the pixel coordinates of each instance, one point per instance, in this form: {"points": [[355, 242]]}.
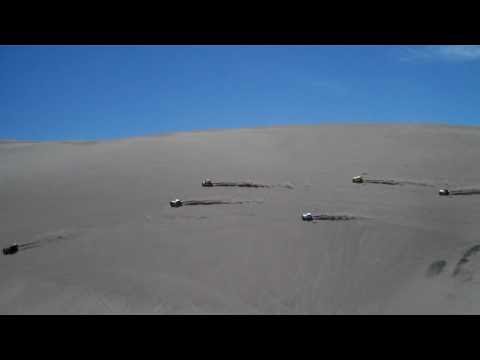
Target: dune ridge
{"points": [[126, 250]]}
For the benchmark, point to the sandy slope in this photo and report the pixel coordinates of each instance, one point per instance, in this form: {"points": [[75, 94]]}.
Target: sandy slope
{"points": [[124, 250]]}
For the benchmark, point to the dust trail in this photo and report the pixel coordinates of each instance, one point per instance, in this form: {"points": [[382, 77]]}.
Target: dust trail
{"points": [[285, 185], [43, 240], [15, 248], [330, 217], [29, 246], [464, 192], [210, 202], [247, 184], [179, 203], [459, 268], [385, 182], [363, 180], [416, 183]]}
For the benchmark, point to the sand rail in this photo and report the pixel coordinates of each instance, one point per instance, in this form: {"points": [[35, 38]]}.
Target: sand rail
{"points": [[43, 240], [447, 192], [15, 248], [363, 180], [179, 203], [328, 217]]}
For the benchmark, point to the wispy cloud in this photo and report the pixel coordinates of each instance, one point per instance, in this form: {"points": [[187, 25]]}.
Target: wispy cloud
{"points": [[451, 53]]}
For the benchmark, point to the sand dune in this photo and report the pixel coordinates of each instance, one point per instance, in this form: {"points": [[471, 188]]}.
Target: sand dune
{"points": [[104, 238]]}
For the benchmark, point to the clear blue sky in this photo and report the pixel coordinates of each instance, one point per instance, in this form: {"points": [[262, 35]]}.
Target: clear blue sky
{"points": [[106, 92]]}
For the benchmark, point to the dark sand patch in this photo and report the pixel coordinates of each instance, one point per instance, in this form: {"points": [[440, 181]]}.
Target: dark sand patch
{"points": [[436, 268], [461, 269]]}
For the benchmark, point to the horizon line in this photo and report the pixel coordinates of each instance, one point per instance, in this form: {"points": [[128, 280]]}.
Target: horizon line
{"points": [[225, 129]]}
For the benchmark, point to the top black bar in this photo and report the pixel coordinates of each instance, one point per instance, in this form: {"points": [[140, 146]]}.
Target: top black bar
{"points": [[239, 38]]}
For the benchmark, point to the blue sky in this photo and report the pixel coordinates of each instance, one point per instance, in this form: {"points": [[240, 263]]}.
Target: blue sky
{"points": [[107, 92]]}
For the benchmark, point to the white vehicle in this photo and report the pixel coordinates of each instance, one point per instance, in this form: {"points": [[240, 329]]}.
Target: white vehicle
{"points": [[307, 217]]}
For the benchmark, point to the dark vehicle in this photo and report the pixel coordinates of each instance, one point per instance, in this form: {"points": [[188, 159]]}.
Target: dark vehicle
{"points": [[443, 192], [357, 179], [207, 183], [10, 250], [176, 203]]}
